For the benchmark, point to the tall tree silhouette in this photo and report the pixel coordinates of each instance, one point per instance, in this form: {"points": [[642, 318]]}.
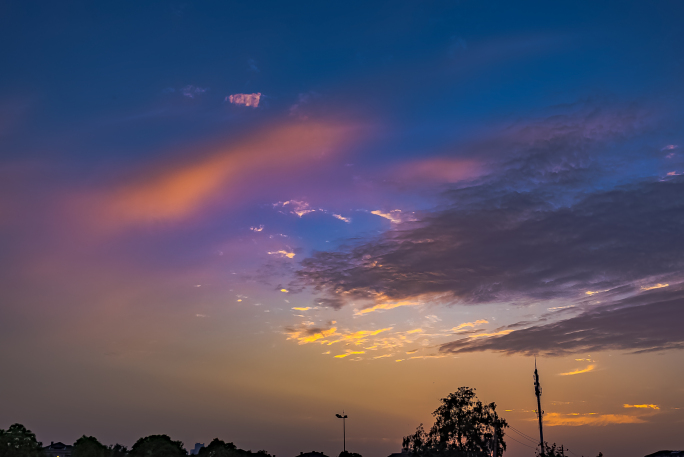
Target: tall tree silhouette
{"points": [[464, 426]]}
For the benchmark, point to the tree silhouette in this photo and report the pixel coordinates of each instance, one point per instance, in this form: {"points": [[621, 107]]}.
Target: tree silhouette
{"points": [[117, 450], [157, 446], [464, 426], [18, 441], [89, 446], [219, 448]]}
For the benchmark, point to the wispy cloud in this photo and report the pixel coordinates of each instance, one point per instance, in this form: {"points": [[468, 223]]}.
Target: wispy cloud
{"points": [[641, 406], [298, 207], [657, 286], [575, 420], [191, 91], [393, 216], [348, 353], [642, 322], [171, 191], [342, 218], [283, 253], [594, 292], [469, 324], [306, 334], [579, 371], [386, 306], [251, 63], [245, 99]]}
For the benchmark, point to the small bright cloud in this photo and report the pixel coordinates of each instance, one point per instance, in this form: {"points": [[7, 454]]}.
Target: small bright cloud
{"points": [[469, 324], [670, 147], [386, 306], [641, 406], [302, 309], [579, 371], [594, 292], [283, 253], [244, 99], [342, 218], [257, 229], [341, 356], [657, 286], [300, 208], [393, 215], [284, 290]]}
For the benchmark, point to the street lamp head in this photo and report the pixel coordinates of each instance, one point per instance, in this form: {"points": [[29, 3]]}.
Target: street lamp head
{"points": [[338, 416]]}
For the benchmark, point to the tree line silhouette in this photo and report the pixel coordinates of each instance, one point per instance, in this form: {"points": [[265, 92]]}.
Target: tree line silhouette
{"points": [[463, 427]]}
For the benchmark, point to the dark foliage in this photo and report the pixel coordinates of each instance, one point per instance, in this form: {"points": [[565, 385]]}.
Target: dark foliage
{"points": [[18, 441], [464, 426], [219, 448], [157, 446], [89, 446]]}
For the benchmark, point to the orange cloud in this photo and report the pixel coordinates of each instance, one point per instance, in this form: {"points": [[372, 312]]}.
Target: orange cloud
{"points": [[359, 337], [469, 324], [304, 336], [348, 353], [386, 306], [641, 406], [574, 420], [579, 371], [172, 192], [283, 253]]}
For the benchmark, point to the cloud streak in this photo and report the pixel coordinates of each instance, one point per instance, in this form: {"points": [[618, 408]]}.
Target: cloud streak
{"points": [[637, 324], [169, 192], [600, 420]]}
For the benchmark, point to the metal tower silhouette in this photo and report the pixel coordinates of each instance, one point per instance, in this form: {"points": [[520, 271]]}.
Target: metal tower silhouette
{"points": [[540, 413]]}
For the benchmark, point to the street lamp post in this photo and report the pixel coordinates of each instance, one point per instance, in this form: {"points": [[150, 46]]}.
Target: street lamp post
{"points": [[344, 431]]}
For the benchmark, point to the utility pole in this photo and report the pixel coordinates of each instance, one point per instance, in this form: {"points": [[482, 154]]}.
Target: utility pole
{"points": [[344, 431], [540, 413], [495, 447]]}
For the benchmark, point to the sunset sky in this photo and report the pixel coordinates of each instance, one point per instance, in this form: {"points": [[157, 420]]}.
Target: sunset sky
{"points": [[237, 219]]}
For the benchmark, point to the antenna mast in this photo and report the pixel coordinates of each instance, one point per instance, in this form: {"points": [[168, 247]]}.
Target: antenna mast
{"points": [[540, 413]]}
